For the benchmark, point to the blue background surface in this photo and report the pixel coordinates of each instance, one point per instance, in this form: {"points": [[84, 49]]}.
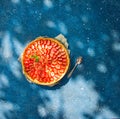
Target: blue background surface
{"points": [[92, 28]]}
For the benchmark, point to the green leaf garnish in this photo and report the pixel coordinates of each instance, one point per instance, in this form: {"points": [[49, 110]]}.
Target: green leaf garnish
{"points": [[35, 57]]}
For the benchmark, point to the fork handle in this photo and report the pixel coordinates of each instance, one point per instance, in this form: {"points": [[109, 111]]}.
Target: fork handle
{"points": [[69, 75]]}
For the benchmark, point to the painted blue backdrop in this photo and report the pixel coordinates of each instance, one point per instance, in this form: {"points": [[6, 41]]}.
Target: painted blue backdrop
{"points": [[92, 28]]}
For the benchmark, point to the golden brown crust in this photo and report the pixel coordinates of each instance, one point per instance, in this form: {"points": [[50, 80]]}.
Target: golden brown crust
{"points": [[36, 81]]}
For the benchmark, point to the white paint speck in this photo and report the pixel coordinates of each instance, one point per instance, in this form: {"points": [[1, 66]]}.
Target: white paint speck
{"points": [[84, 18], [29, 1], [91, 52], [51, 24], [102, 68], [63, 28], [48, 3], [18, 28], [15, 1], [115, 34], [80, 44], [116, 46], [42, 111]]}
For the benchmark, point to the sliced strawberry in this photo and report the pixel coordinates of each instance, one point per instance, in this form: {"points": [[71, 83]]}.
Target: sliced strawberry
{"points": [[45, 60]]}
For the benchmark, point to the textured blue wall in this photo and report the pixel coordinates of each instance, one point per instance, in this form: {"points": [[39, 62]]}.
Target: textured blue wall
{"points": [[92, 28]]}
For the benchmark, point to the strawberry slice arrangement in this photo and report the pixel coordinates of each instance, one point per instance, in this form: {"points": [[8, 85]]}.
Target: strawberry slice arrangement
{"points": [[45, 61]]}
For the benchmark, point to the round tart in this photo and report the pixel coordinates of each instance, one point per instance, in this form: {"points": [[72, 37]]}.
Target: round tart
{"points": [[45, 61]]}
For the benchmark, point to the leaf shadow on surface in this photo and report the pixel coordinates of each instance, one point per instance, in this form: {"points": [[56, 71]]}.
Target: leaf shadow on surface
{"points": [[105, 84], [26, 97]]}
